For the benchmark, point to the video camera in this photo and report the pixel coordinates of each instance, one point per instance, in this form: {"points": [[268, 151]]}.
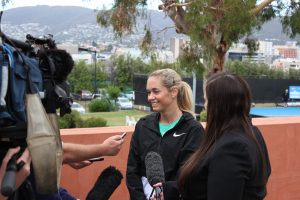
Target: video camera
{"points": [[37, 60]]}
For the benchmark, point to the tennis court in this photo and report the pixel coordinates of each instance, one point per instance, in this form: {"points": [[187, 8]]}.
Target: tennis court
{"points": [[275, 112]]}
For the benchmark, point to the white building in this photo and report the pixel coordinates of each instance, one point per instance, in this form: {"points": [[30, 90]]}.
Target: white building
{"points": [[86, 57], [70, 48], [176, 46], [239, 51], [286, 63], [266, 48], [165, 56], [162, 55]]}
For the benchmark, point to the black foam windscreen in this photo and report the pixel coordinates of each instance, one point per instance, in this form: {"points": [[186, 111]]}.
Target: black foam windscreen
{"points": [[108, 181], [154, 168]]}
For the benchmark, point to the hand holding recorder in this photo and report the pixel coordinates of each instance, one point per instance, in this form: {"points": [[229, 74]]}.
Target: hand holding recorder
{"points": [[102, 158], [114, 144], [81, 153], [96, 159]]}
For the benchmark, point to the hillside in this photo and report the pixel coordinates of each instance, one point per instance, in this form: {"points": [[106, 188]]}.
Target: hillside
{"points": [[78, 24]]}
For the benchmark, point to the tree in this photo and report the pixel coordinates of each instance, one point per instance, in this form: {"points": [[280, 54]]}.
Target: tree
{"points": [[114, 92], [101, 76], [190, 60], [80, 78], [213, 25], [123, 70], [124, 66], [4, 2], [83, 76]]}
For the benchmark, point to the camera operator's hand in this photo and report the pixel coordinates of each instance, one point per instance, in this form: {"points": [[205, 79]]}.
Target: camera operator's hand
{"points": [[23, 173]]}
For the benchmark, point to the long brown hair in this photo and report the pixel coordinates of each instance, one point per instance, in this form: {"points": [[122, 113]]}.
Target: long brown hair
{"points": [[228, 105]]}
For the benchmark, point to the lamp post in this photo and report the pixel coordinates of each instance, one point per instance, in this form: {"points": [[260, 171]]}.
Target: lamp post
{"points": [[94, 58], [95, 71]]}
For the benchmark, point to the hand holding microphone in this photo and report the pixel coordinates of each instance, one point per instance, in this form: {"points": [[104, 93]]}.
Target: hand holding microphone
{"points": [[159, 185], [155, 173]]}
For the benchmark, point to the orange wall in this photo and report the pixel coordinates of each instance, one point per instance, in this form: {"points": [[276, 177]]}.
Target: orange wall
{"points": [[282, 136]]}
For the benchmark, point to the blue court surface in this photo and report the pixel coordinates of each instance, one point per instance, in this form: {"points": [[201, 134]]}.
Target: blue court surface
{"points": [[275, 112]]}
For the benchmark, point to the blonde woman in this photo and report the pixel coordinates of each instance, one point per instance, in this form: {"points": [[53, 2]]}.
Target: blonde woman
{"points": [[171, 131]]}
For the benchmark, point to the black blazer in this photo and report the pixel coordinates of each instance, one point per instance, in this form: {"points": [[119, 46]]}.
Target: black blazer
{"points": [[231, 171]]}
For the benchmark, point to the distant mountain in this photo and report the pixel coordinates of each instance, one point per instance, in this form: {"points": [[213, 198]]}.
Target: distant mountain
{"points": [[74, 24], [58, 18], [78, 24], [272, 31]]}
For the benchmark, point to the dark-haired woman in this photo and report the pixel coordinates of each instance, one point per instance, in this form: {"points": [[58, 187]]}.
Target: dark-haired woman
{"points": [[232, 162]]}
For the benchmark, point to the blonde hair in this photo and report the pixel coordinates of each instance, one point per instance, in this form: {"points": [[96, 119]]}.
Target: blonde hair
{"points": [[171, 79]]}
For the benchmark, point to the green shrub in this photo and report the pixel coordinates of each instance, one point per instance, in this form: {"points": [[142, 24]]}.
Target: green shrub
{"points": [[63, 123], [74, 120], [112, 105], [71, 120], [203, 116], [94, 122], [99, 105], [113, 91]]}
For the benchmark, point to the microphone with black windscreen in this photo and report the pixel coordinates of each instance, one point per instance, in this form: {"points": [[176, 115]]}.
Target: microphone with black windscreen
{"points": [[108, 181], [155, 171]]}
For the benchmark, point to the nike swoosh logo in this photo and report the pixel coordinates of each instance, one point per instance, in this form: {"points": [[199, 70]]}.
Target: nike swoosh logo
{"points": [[178, 135]]}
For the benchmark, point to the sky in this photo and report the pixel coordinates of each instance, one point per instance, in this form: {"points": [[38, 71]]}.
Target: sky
{"points": [[92, 4]]}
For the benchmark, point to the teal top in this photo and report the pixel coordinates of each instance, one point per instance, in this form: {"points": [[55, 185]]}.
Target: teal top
{"points": [[163, 128]]}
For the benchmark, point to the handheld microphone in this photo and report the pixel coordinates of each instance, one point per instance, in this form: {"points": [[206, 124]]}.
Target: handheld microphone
{"points": [[108, 181], [155, 171]]}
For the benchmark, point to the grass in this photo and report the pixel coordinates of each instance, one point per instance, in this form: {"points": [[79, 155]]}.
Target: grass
{"points": [[117, 118]]}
